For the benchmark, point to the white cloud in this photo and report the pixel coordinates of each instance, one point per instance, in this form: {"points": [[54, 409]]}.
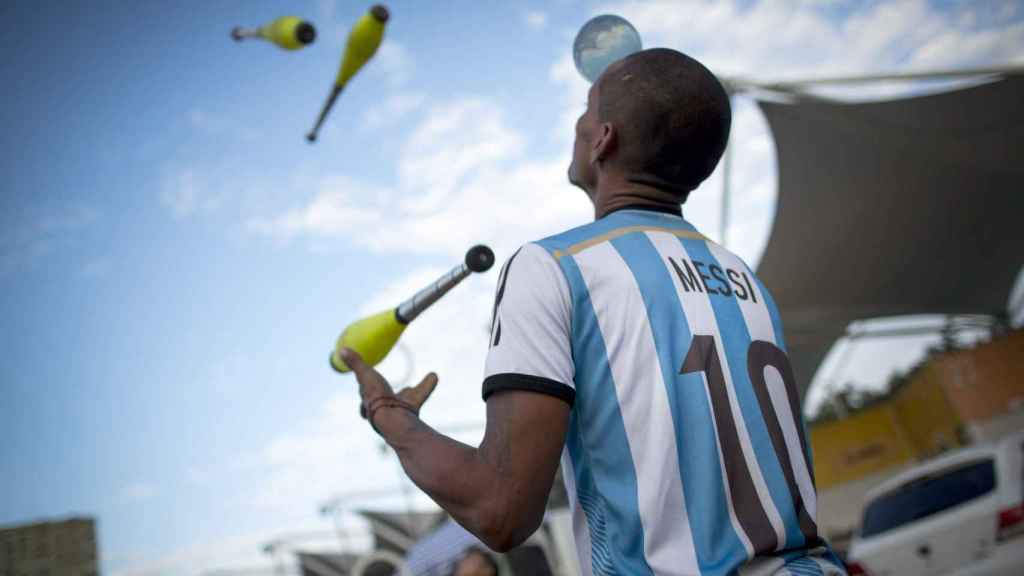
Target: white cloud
{"points": [[574, 89], [1004, 46], [460, 181], [138, 492], [392, 110], [455, 140], [779, 40], [232, 552], [536, 20], [392, 62], [334, 211], [266, 551], [315, 459]]}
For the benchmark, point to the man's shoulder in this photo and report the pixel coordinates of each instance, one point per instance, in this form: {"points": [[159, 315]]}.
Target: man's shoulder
{"points": [[563, 241]]}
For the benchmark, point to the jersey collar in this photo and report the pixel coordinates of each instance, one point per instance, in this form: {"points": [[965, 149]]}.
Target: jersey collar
{"points": [[674, 210]]}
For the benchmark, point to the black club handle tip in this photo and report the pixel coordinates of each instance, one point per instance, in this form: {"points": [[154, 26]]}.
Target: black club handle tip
{"points": [[479, 258]]}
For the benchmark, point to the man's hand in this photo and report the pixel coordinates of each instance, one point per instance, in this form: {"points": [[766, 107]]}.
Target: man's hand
{"points": [[372, 385], [497, 491]]}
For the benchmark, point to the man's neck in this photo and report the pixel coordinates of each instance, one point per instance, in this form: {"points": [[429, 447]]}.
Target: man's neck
{"points": [[617, 195]]}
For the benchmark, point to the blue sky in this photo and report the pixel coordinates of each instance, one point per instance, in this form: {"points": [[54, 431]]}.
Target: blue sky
{"points": [[176, 261]]}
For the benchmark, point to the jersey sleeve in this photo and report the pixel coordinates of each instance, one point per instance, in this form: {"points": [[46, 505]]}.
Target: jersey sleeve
{"points": [[530, 346]]}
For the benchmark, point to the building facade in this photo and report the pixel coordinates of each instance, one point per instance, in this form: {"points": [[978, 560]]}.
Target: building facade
{"points": [[61, 548], [986, 385]]}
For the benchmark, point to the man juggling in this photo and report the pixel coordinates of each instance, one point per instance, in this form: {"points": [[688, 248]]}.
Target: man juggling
{"points": [[636, 352]]}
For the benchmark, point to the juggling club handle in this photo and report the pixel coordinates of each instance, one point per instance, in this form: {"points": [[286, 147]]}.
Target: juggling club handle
{"points": [[408, 311], [335, 90], [478, 259]]}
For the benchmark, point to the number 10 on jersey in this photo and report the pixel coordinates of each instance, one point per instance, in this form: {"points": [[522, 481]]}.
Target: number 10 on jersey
{"points": [[703, 357]]}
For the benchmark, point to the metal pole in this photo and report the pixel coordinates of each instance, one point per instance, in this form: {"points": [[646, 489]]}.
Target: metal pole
{"points": [[726, 169]]}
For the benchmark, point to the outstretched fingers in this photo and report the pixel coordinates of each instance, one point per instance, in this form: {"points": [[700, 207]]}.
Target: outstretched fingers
{"points": [[422, 391], [373, 385]]}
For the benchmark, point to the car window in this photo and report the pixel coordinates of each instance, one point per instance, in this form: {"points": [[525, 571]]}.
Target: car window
{"points": [[928, 495]]}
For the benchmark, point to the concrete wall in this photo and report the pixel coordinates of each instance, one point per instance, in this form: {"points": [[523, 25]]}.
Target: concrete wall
{"points": [[995, 428], [985, 382]]}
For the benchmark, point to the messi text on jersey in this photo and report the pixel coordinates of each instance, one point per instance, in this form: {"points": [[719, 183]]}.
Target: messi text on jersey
{"points": [[695, 275]]}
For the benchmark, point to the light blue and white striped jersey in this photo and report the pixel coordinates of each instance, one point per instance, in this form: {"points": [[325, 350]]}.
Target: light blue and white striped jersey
{"points": [[686, 450]]}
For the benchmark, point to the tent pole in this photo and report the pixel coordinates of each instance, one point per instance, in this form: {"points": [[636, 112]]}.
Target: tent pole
{"points": [[726, 169]]}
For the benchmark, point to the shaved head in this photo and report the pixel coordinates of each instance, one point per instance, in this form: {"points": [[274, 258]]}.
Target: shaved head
{"points": [[672, 116]]}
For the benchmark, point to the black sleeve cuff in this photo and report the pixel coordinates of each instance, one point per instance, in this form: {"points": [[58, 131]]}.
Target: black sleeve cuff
{"points": [[507, 381]]}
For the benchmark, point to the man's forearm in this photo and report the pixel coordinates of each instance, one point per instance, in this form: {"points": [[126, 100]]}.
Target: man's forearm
{"points": [[467, 482]]}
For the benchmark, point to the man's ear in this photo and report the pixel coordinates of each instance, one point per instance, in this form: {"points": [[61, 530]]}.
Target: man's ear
{"points": [[605, 142]]}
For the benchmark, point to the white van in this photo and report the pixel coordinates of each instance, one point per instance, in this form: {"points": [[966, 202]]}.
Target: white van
{"points": [[961, 513]]}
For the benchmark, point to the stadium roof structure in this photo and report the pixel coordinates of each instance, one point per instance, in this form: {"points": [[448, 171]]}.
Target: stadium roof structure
{"points": [[398, 531], [899, 207]]}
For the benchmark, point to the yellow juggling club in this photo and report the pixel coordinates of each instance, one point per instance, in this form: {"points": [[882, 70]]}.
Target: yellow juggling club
{"points": [[374, 336], [363, 41], [288, 32]]}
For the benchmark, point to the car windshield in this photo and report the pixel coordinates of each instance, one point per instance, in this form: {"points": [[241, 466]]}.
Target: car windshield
{"points": [[928, 495]]}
